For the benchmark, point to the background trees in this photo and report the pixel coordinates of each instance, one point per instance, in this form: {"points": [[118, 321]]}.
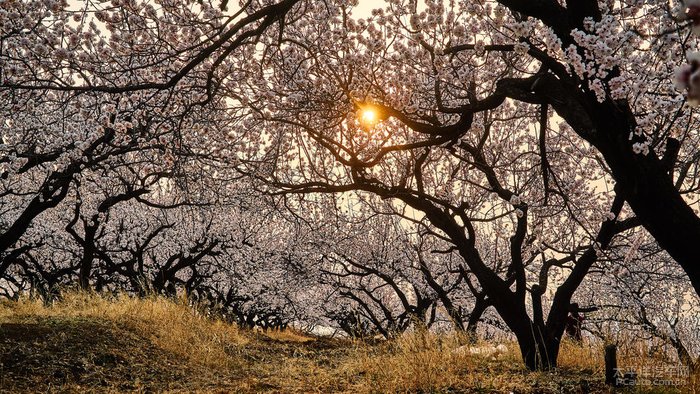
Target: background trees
{"points": [[515, 147]]}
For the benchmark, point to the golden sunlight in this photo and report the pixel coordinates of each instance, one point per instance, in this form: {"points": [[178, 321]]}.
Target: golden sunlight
{"points": [[368, 116]]}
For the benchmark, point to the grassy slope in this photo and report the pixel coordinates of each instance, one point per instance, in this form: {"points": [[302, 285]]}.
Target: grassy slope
{"points": [[87, 343]]}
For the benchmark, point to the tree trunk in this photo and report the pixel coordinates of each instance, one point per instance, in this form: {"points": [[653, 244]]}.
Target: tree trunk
{"points": [[539, 347], [479, 308], [644, 183], [85, 267], [540, 351], [642, 180]]}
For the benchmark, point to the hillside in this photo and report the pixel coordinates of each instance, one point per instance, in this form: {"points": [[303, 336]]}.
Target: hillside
{"points": [[91, 344]]}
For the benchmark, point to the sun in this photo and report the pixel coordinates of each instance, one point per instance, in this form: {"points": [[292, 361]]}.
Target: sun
{"points": [[368, 116]]}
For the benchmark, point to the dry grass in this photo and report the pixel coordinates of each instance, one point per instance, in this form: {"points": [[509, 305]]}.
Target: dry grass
{"points": [[428, 362], [99, 344], [172, 326], [419, 362]]}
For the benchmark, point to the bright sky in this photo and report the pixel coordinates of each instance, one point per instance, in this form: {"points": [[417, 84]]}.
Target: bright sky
{"points": [[364, 8]]}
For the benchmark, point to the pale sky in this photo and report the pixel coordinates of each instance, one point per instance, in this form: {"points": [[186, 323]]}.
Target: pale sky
{"points": [[364, 8]]}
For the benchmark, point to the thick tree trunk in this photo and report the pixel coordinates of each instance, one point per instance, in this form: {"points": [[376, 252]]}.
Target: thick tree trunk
{"points": [[539, 349], [644, 183], [84, 273], [642, 180]]}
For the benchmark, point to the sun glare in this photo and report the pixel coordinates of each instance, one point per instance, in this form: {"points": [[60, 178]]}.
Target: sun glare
{"points": [[369, 116]]}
